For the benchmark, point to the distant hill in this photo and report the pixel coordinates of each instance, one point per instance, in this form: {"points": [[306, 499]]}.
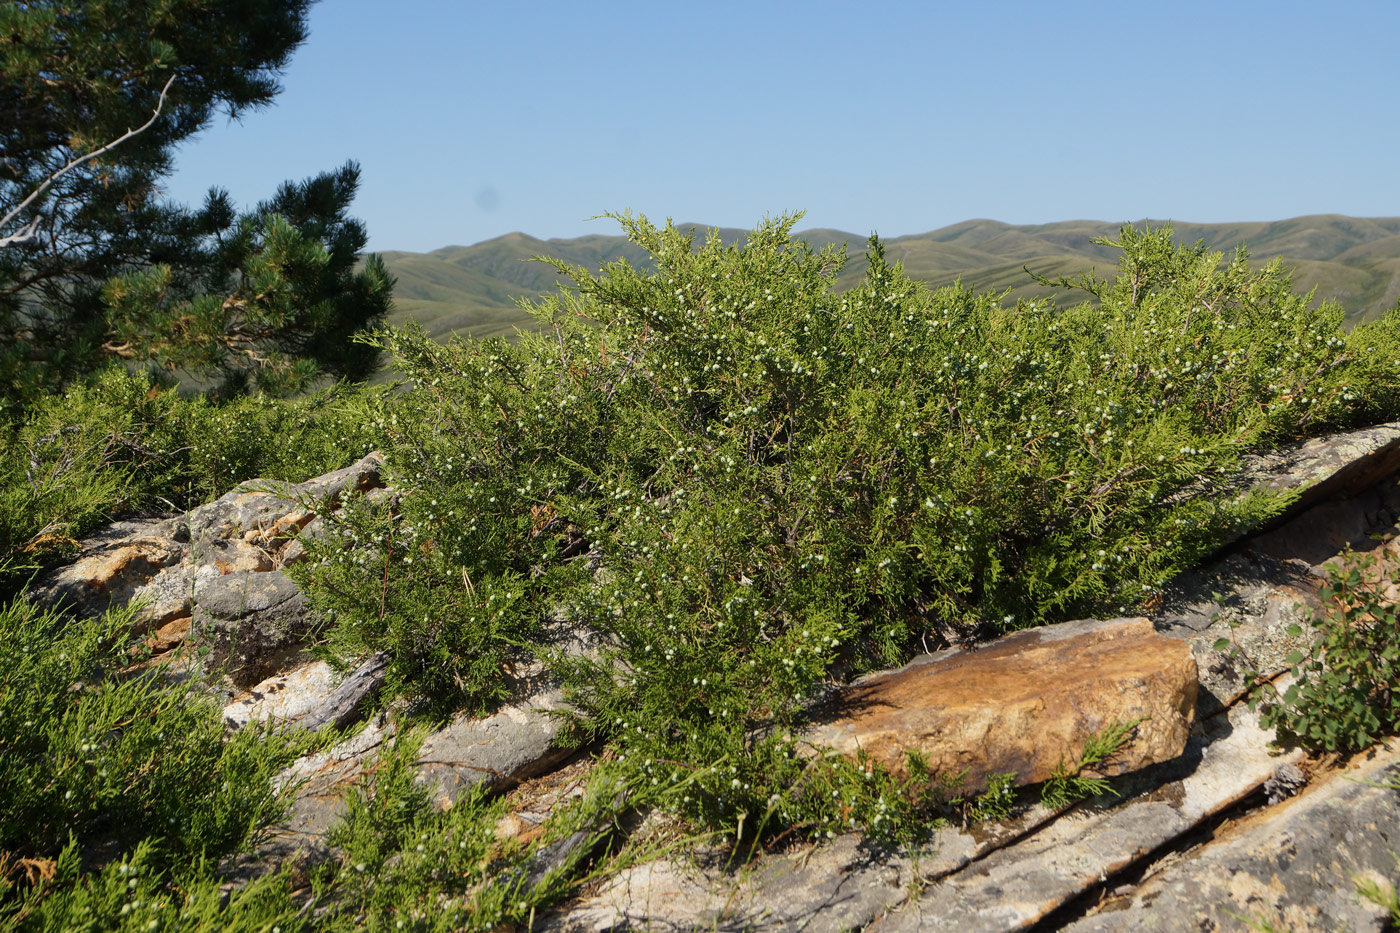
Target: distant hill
{"points": [[474, 289]]}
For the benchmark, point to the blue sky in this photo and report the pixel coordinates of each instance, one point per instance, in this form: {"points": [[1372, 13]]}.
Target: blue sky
{"points": [[474, 119]]}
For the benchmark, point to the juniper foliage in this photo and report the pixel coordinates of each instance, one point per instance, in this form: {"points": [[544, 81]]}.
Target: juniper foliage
{"points": [[97, 765], [753, 485]]}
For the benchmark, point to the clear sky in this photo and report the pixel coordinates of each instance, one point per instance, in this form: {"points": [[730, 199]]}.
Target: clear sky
{"points": [[471, 119]]}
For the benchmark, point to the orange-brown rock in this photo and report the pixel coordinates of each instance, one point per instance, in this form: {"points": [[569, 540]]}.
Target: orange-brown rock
{"points": [[113, 566], [169, 635], [1022, 704]]}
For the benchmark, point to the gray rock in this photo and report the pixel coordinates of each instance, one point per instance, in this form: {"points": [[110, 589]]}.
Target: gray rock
{"points": [[166, 596], [318, 784], [258, 503], [295, 550], [255, 623], [500, 750], [834, 887], [1294, 867], [1339, 465]]}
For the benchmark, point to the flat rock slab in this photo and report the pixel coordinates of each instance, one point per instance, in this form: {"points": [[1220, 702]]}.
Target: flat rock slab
{"points": [[1292, 867], [319, 784], [310, 697], [830, 888], [500, 750], [1017, 886], [1325, 467], [1023, 705]]}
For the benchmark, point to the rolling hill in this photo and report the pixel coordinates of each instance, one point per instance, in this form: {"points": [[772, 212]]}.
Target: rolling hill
{"points": [[475, 289]]}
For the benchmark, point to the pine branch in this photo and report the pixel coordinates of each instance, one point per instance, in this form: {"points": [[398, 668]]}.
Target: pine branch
{"points": [[30, 230]]}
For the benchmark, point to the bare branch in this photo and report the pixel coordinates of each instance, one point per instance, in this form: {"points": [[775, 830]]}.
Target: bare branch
{"points": [[30, 230]]}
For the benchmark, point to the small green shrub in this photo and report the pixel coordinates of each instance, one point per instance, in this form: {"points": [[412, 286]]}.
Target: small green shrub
{"points": [[380, 581], [99, 765], [140, 892], [1069, 784], [1344, 695], [752, 485], [998, 801]]}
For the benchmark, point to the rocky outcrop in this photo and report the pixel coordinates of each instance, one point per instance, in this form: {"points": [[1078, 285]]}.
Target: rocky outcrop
{"points": [[214, 575], [1024, 705], [1207, 823]]}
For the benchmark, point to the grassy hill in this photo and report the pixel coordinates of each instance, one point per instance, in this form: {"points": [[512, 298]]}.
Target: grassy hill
{"points": [[474, 289]]}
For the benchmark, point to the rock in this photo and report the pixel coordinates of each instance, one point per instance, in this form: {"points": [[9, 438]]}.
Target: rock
{"points": [[1259, 598], [166, 596], [310, 697], [295, 549], [1337, 466], [111, 567], [500, 750], [1019, 885], [285, 698], [231, 555], [270, 508], [169, 636], [254, 622], [826, 889], [1293, 866], [1023, 705], [318, 784], [517, 741], [362, 476]]}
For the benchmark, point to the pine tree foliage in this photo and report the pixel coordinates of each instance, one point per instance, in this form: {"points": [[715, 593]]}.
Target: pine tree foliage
{"points": [[280, 302], [206, 290]]}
